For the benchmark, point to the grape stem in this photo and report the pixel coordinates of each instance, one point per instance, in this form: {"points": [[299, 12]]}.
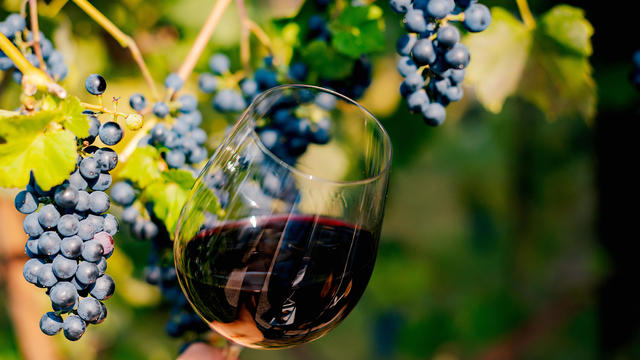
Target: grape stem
{"points": [[7, 113], [201, 41], [102, 109], [123, 39], [245, 33], [260, 35], [35, 30], [525, 13], [32, 77]]}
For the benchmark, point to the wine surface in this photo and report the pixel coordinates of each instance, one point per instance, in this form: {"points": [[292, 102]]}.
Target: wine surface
{"points": [[278, 281]]}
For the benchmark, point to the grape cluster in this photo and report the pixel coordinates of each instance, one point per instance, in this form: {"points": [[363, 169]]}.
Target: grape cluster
{"points": [[285, 133], [635, 73], [71, 234], [182, 143], [433, 60], [14, 27]]}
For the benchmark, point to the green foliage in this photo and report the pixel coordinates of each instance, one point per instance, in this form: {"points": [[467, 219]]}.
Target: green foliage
{"points": [[548, 64], [358, 30], [43, 143], [143, 166], [325, 61], [169, 196]]}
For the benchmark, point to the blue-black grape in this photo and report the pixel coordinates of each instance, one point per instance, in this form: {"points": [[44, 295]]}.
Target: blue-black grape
{"points": [[477, 17], [50, 323], [63, 267], [102, 288], [173, 81], [95, 84], [137, 102], [26, 202], [73, 327], [110, 133]]}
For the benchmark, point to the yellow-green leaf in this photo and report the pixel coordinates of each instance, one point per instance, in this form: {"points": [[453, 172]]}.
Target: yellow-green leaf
{"points": [[143, 166]]}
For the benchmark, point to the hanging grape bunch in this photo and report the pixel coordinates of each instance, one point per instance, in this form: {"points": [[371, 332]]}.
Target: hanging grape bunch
{"points": [[433, 60], [14, 28], [71, 233]]}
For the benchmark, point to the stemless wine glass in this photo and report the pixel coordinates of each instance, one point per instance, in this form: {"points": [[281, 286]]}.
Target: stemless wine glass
{"points": [[278, 238]]}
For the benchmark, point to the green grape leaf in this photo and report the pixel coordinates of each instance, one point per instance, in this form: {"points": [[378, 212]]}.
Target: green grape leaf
{"points": [[567, 26], [181, 177], [143, 166], [25, 147], [548, 64], [358, 30], [495, 71], [324, 60], [168, 199], [72, 117]]}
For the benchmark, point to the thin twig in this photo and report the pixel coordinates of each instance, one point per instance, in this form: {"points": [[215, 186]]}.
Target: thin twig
{"points": [[123, 39], [245, 33], [525, 13], [203, 38], [261, 35], [102, 109], [35, 30]]}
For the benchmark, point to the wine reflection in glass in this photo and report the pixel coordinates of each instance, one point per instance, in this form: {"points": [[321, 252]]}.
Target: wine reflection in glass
{"points": [[291, 249]]}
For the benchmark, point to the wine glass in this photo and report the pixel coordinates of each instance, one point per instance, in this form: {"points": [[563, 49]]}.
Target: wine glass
{"points": [[278, 238]]}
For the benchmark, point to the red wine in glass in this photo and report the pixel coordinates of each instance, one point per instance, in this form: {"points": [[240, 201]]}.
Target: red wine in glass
{"points": [[293, 249]]}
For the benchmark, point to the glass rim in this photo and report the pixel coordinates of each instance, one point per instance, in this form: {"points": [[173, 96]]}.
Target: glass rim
{"points": [[387, 140]]}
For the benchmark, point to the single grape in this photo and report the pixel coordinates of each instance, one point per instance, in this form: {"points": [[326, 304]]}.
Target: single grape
{"points": [[71, 247], [456, 76], [49, 244], [439, 9], [400, 6], [406, 66], [207, 83], [448, 36], [110, 133], [175, 159], [197, 155], [64, 295], [173, 81], [99, 202], [458, 56], [103, 288], [219, 64], [159, 133], [106, 158], [106, 240], [95, 84], [15, 22], [63, 267], [102, 266], [188, 103], [77, 181], [249, 87], [434, 114], [30, 270], [92, 251], [130, 214], [405, 43], [89, 168], [85, 230], [137, 102], [103, 315], [477, 17], [31, 247], [161, 109], [68, 225], [266, 79], [454, 93], [297, 71], [199, 136], [83, 201], [66, 196], [423, 52], [89, 309], [50, 323], [414, 82], [101, 183], [417, 100], [87, 273], [46, 276], [134, 121], [48, 216], [74, 327], [26, 202], [415, 21]]}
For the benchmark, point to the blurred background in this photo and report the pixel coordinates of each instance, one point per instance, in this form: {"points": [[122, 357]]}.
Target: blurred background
{"points": [[506, 234]]}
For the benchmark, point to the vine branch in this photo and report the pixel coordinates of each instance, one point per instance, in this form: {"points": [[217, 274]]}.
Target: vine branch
{"points": [[203, 38], [525, 13], [35, 30], [32, 77], [260, 35], [123, 39], [245, 33]]}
